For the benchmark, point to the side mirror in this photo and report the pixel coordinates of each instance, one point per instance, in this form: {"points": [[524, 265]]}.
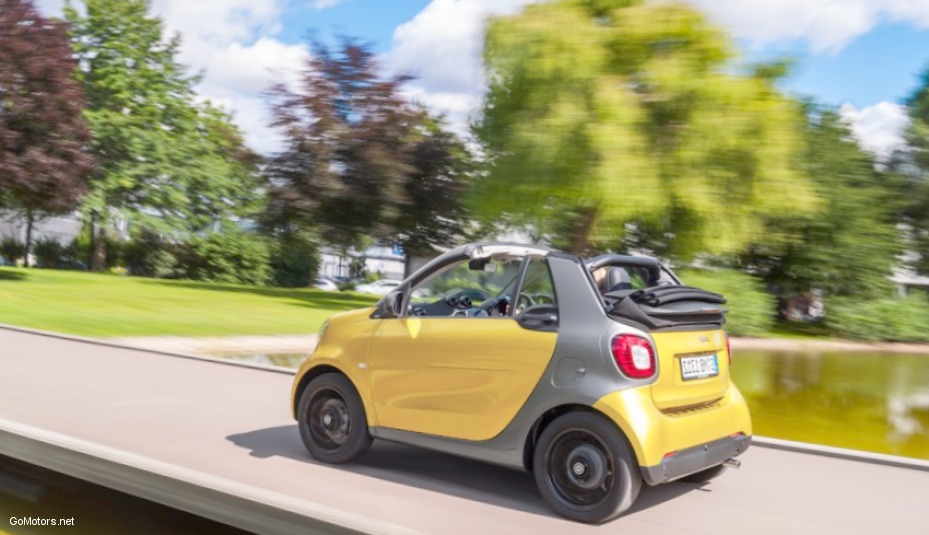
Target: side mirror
{"points": [[391, 306]]}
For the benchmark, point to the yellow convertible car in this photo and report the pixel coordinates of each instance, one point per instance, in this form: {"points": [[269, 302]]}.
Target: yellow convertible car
{"points": [[593, 375]]}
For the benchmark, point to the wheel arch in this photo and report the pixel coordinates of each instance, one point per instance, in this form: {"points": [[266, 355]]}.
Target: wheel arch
{"points": [[549, 416], [308, 376]]}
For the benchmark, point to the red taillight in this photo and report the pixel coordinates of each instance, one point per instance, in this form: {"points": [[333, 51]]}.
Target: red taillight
{"points": [[728, 349], [634, 356]]}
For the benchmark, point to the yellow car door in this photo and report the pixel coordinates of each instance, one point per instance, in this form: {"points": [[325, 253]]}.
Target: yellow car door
{"points": [[457, 377]]}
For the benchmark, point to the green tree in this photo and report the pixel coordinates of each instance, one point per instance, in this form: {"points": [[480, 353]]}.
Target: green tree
{"points": [[360, 161], [605, 116], [851, 245], [45, 164], [167, 161], [911, 167]]}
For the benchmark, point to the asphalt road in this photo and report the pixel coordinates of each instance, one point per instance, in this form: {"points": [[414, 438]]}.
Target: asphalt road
{"points": [[226, 423]]}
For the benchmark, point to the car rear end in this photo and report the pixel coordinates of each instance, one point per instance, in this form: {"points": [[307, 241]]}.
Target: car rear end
{"points": [[687, 415]]}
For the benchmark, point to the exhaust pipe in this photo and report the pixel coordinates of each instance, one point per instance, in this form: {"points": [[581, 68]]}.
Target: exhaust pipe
{"points": [[733, 463]]}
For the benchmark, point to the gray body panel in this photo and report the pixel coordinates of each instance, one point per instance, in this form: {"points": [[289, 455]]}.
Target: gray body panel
{"points": [[580, 372], [695, 459]]}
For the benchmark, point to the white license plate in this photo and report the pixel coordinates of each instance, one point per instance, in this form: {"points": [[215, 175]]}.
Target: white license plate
{"points": [[699, 367]]}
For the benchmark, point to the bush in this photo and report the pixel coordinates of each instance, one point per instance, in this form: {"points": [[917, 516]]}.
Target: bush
{"points": [[147, 255], [77, 254], [11, 250], [888, 319], [751, 309], [347, 286], [49, 253], [295, 260], [232, 257]]}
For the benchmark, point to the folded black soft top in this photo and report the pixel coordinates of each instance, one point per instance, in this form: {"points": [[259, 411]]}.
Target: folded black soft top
{"points": [[662, 307]]}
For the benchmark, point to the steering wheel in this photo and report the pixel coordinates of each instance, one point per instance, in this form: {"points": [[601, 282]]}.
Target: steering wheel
{"points": [[524, 301], [543, 299]]}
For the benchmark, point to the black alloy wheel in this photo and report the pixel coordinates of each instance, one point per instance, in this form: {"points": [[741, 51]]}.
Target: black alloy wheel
{"points": [[332, 420], [585, 469]]}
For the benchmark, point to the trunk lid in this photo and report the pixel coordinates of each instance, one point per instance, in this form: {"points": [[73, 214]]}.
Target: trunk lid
{"points": [[686, 378]]}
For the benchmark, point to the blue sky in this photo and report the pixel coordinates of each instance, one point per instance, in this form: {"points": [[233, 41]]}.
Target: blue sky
{"points": [[861, 55], [882, 65]]}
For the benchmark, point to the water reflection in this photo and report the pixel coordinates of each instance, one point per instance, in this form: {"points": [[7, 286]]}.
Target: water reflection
{"points": [[874, 402]]}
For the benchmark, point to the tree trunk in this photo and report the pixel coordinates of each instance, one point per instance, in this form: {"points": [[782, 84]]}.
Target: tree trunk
{"points": [[579, 240], [30, 221], [98, 247]]}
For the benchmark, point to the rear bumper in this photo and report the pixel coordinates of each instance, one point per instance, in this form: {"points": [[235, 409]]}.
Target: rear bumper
{"points": [[694, 459], [654, 434]]}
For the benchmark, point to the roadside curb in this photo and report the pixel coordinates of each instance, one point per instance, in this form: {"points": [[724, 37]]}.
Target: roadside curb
{"points": [[223, 500], [117, 345], [749, 343], [841, 453]]}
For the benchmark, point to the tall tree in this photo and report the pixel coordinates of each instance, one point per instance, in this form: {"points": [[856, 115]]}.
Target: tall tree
{"points": [[359, 160], [851, 245], [911, 167], [167, 161], [44, 161], [609, 115]]}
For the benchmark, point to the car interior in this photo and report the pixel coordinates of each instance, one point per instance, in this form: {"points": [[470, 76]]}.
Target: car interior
{"points": [[483, 288]]}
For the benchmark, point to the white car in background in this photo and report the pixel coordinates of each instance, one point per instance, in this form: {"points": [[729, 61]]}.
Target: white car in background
{"points": [[379, 287], [322, 283]]}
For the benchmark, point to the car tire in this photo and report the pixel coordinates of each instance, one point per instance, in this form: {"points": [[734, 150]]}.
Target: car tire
{"points": [[705, 475], [585, 469], [332, 419]]}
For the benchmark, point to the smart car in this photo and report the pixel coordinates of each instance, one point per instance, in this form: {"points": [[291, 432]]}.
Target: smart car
{"points": [[594, 375]]}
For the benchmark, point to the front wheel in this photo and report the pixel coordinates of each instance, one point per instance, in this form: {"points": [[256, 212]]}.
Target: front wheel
{"points": [[332, 420], [585, 469]]}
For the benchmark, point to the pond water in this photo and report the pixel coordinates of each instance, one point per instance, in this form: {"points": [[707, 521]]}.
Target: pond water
{"points": [[866, 401]]}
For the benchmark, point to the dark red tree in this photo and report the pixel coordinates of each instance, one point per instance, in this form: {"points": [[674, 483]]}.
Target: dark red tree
{"points": [[44, 163], [360, 160]]}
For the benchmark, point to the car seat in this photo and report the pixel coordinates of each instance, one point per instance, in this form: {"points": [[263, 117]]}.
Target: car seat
{"points": [[618, 279]]}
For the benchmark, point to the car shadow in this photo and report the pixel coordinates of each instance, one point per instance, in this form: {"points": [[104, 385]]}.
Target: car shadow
{"points": [[437, 472]]}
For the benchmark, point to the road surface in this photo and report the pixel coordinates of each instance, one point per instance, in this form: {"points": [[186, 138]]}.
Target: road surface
{"points": [[226, 430]]}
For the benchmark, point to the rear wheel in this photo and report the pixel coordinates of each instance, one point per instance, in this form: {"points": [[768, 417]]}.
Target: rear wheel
{"points": [[584, 468], [332, 420], [705, 475]]}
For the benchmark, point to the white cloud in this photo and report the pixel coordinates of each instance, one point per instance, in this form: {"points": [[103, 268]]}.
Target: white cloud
{"points": [[325, 4], [879, 128], [231, 42], [50, 7], [825, 25], [441, 47]]}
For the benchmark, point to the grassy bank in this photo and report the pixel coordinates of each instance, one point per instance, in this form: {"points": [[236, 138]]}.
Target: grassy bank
{"points": [[91, 304]]}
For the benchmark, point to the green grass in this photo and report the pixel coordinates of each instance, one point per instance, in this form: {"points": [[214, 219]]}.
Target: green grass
{"points": [[98, 305]]}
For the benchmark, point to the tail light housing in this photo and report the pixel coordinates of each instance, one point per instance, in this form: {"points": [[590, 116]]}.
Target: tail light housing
{"points": [[634, 355]]}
